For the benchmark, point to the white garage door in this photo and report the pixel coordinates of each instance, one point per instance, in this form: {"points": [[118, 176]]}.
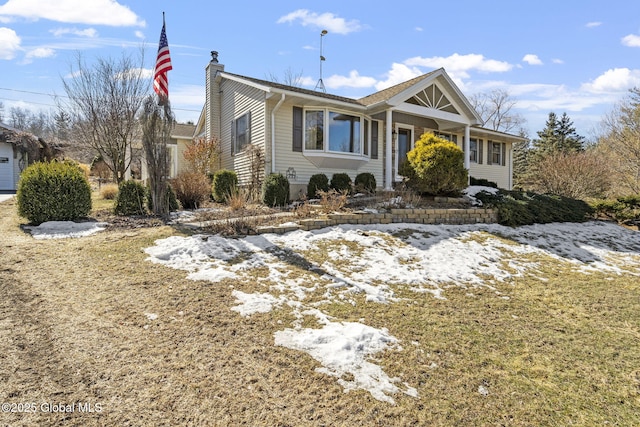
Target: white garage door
{"points": [[6, 167]]}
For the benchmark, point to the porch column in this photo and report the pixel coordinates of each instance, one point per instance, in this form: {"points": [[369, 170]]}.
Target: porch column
{"points": [[388, 153], [467, 147]]}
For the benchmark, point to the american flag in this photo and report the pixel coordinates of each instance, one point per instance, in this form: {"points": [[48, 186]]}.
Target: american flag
{"points": [[163, 65]]}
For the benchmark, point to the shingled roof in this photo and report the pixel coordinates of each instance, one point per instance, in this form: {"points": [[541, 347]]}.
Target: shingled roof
{"points": [[390, 92], [297, 89], [183, 130]]}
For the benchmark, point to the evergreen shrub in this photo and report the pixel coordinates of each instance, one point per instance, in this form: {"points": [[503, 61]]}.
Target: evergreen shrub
{"points": [[275, 190], [341, 182], [435, 166], [317, 182], [53, 191], [523, 208], [366, 183], [131, 198], [225, 185]]}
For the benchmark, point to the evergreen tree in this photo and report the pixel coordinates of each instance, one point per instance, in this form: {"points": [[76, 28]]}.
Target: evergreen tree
{"points": [[568, 140], [548, 137], [520, 163], [558, 136]]}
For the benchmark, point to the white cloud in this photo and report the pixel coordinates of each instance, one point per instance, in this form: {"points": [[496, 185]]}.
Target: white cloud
{"points": [[41, 52], [88, 32], [9, 43], [457, 66], [632, 40], [593, 24], [614, 80], [419, 29], [94, 12], [139, 34], [354, 80], [323, 21], [532, 59], [557, 61], [399, 73]]}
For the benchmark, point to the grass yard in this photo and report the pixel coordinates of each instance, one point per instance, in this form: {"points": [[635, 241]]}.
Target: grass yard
{"points": [[553, 342]]}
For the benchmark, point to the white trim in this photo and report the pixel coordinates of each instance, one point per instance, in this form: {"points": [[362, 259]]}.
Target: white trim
{"points": [[432, 113], [388, 140], [467, 148], [399, 126], [325, 136], [273, 133]]}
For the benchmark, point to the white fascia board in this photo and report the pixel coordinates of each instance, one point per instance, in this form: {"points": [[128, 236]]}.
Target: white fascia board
{"points": [[432, 113], [320, 99]]}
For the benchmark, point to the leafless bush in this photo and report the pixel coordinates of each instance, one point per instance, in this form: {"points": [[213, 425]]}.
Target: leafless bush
{"points": [[192, 189], [332, 200], [109, 191], [576, 175]]}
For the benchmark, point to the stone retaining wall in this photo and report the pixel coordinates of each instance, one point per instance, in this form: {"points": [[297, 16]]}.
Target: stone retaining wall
{"points": [[413, 216]]}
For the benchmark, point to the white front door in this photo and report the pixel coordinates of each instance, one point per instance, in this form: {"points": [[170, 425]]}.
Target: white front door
{"points": [[6, 167]]}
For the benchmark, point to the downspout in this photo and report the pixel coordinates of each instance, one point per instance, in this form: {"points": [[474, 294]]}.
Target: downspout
{"points": [[273, 133]]}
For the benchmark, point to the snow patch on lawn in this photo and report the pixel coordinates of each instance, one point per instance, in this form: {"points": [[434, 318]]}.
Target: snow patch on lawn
{"points": [[64, 229], [374, 260], [343, 348]]}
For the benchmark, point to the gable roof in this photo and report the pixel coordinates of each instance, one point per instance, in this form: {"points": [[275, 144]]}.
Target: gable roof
{"points": [[389, 92], [183, 131]]}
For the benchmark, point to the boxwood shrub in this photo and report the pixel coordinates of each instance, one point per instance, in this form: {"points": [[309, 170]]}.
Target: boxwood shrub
{"points": [[365, 182], [341, 182], [131, 198], [225, 184], [275, 190], [317, 182], [55, 191]]}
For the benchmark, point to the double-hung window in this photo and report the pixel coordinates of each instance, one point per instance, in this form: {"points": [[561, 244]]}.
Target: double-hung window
{"points": [[241, 132], [496, 153]]}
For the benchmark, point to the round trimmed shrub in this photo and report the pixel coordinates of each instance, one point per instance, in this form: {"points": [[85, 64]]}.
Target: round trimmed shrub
{"points": [[317, 182], [55, 191], [435, 166], [341, 182], [225, 184], [131, 198], [365, 182], [275, 190]]}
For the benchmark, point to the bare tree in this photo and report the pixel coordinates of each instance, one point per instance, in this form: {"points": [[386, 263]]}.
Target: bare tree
{"points": [[157, 121], [289, 78], [621, 142], [1, 112], [496, 110], [103, 101]]}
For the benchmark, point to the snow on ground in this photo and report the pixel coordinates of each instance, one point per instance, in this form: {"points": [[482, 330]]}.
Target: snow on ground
{"points": [[374, 260], [64, 229]]}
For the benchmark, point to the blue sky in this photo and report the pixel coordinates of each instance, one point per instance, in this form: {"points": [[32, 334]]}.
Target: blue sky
{"points": [[574, 57]]}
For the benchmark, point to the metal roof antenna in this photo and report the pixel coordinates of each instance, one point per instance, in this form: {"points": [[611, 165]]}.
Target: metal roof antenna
{"points": [[320, 84]]}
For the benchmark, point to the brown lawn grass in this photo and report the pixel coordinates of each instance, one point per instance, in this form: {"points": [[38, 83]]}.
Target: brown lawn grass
{"points": [[73, 329]]}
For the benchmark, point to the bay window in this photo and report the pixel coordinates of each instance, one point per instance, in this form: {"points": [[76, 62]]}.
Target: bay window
{"points": [[332, 131]]}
